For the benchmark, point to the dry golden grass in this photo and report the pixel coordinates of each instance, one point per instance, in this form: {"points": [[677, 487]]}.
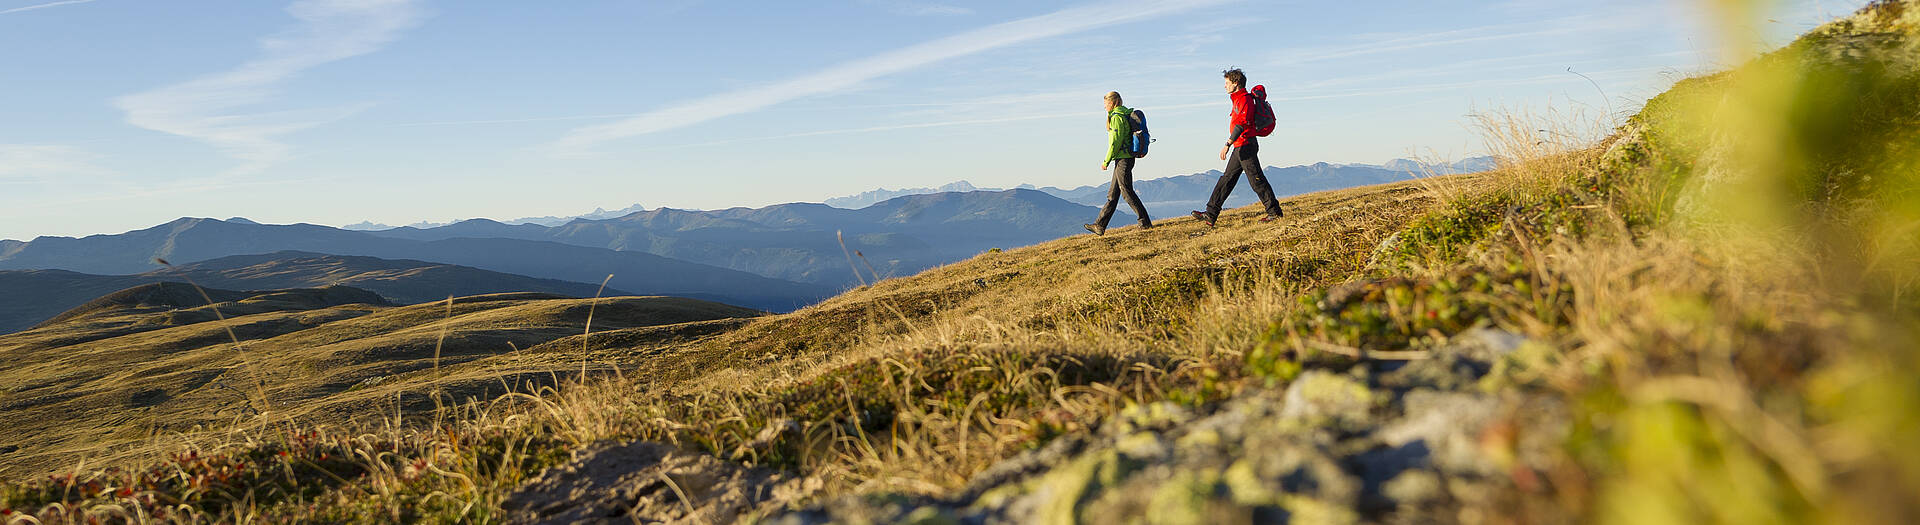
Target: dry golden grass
{"points": [[980, 358], [1766, 379], [969, 362], [145, 377]]}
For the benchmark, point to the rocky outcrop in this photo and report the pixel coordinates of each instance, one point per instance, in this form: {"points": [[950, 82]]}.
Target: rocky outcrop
{"points": [[642, 482], [1418, 441]]}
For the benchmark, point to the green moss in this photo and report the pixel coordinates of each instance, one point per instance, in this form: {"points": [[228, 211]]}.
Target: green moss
{"points": [[1447, 234]]}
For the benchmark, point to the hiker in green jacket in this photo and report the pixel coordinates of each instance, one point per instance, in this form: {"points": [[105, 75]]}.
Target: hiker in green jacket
{"points": [[1120, 158]]}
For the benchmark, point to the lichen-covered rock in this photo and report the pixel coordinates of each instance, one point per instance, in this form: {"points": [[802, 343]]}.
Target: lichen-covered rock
{"points": [[1321, 399], [1404, 442], [642, 482]]}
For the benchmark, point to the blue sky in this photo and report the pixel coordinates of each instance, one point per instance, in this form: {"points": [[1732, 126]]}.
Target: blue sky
{"points": [[121, 114]]}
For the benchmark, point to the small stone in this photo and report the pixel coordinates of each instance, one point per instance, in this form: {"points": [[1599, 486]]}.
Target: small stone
{"points": [[1320, 398], [1339, 296], [1414, 487], [930, 515]]}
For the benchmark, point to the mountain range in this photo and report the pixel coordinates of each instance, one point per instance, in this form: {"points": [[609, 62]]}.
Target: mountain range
{"points": [[547, 220], [774, 258], [804, 241], [869, 198], [189, 240], [1173, 196]]}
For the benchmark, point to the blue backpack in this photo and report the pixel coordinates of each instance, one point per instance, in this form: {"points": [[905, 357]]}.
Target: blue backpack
{"points": [[1141, 137]]}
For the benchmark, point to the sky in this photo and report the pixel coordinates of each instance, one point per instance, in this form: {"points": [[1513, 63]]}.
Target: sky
{"points": [[118, 115]]}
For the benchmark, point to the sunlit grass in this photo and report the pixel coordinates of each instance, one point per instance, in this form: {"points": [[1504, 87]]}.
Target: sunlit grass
{"points": [[1721, 289]]}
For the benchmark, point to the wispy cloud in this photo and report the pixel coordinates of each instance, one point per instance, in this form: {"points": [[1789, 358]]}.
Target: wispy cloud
{"points": [[513, 120], [210, 108], [1159, 110], [849, 74], [918, 8], [44, 6]]}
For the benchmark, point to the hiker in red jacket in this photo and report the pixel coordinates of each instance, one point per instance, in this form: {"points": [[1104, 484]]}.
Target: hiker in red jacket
{"points": [[1242, 150]]}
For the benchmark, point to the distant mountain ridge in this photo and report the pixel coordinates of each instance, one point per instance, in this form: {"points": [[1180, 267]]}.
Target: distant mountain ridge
{"points": [[189, 240], [785, 255], [547, 220], [869, 198], [1173, 196], [803, 241]]}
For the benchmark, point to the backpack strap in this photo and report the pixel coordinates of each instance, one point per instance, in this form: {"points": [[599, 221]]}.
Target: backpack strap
{"points": [[1127, 115]]}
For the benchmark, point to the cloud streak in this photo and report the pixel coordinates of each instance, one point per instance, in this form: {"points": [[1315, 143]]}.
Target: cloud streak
{"points": [[44, 6], [848, 74], [915, 8], [210, 108], [1160, 110]]}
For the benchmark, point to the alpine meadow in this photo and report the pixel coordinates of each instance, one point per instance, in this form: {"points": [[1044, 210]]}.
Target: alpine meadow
{"points": [[1702, 308]]}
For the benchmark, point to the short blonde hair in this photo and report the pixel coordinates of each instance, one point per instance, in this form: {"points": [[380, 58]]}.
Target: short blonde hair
{"points": [[1113, 97]]}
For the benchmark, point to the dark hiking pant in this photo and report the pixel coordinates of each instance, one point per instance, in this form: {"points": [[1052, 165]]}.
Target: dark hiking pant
{"points": [[1244, 158], [1122, 185]]}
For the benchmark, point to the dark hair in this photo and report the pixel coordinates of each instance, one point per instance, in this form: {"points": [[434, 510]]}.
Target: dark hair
{"points": [[1238, 78]]}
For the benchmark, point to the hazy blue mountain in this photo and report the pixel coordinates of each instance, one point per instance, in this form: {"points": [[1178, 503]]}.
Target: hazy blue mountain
{"points": [[366, 226], [547, 220], [1170, 197], [869, 198], [1469, 165], [597, 213], [1164, 195], [798, 241], [397, 281], [190, 240]]}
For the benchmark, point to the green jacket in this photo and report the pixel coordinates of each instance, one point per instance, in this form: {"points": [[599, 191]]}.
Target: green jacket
{"points": [[1119, 133]]}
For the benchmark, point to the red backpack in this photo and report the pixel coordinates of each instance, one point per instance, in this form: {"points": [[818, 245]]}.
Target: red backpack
{"points": [[1260, 113]]}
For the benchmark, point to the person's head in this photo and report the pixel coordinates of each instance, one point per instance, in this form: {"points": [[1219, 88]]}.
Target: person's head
{"points": [[1235, 79], [1113, 100]]}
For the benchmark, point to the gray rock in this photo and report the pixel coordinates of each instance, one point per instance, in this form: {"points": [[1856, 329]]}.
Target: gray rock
{"points": [[648, 483], [1457, 365], [1448, 425], [1324, 399]]}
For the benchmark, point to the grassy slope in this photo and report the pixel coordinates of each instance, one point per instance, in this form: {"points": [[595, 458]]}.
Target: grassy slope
{"points": [[1685, 362], [108, 380], [1108, 302]]}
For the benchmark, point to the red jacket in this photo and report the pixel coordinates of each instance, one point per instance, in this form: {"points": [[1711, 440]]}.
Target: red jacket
{"points": [[1240, 123]]}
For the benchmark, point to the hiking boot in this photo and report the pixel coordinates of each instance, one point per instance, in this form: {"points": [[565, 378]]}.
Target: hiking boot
{"points": [[1203, 217], [1096, 229], [1268, 217], [1146, 226]]}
